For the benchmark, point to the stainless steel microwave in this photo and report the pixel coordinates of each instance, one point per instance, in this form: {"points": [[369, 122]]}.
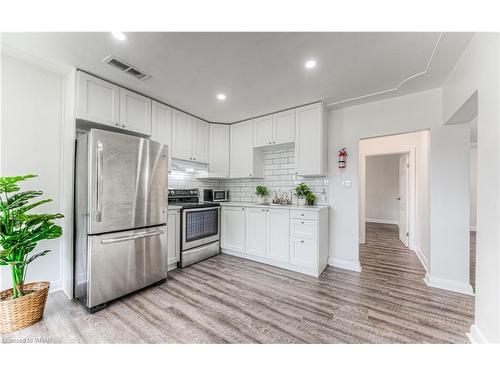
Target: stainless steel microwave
{"points": [[215, 195]]}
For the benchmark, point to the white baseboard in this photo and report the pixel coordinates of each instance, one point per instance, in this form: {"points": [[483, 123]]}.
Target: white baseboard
{"points": [[346, 264], [381, 221], [451, 285], [55, 286], [421, 257], [475, 336]]}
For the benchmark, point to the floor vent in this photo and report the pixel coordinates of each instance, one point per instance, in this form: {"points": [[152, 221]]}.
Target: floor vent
{"points": [[126, 67]]}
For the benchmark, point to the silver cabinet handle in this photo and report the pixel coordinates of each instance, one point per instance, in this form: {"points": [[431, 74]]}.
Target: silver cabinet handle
{"points": [[301, 241], [301, 222], [100, 181], [132, 237]]}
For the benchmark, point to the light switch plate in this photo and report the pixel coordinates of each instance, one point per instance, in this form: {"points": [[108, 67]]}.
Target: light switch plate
{"points": [[347, 184]]}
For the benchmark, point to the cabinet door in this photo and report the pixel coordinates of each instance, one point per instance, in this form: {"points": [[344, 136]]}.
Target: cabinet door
{"points": [[233, 229], [303, 252], [201, 131], [309, 140], [161, 127], [219, 151], [263, 131], [173, 237], [241, 164], [98, 100], [278, 239], [135, 112], [256, 228], [182, 141], [284, 127]]}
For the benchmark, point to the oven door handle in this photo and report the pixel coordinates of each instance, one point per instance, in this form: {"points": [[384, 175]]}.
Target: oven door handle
{"points": [[201, 209]]}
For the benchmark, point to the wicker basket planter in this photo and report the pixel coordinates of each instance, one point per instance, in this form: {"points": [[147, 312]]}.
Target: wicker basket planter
{"points": [[24, 311]]}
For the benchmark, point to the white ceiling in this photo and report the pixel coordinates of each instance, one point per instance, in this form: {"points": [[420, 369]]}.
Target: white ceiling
{"points": [[259, 72]]}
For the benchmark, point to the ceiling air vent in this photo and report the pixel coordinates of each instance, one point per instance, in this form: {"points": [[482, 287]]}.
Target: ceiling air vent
{"points": [[126, 67]]}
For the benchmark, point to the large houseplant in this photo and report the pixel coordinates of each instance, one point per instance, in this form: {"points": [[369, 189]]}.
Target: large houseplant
{"points": [[20, 231]]}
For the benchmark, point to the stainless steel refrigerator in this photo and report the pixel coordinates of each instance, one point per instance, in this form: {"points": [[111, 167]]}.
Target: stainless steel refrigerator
{"points": [[120, 216]]}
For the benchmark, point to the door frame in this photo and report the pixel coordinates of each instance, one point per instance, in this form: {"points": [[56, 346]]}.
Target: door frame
{"points": [[412, 203], [405, 242]]}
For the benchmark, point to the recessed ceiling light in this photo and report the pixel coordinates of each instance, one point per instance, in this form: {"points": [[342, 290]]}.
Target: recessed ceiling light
{"points": [[119, 35], [221, 97], [310, 64]]}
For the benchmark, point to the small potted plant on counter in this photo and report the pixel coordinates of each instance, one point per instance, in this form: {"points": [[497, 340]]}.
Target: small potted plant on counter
{"points": [[261, 192], [20, 231], [310, 198], [301, 191]]}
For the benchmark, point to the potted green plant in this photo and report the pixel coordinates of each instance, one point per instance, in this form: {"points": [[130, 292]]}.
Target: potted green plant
{"points": [[20, 232], [261, 192], [310, 198], [301, 191]]}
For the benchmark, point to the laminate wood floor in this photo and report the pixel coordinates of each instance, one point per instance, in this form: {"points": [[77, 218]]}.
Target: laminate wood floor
{"points": [[231, 300]]}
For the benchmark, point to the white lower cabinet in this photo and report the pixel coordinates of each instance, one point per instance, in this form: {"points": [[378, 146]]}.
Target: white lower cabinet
{"points": [[303, 253], [256, 229], [233, 229], [174, 240], [277, 236]]}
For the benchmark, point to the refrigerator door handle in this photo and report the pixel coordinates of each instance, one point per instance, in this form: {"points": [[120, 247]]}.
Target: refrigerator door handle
{"points": [[132, 237], [99, 181]]}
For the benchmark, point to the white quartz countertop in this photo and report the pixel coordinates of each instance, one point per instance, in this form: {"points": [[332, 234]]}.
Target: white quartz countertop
{"points": [[171, 207], [317, 207]]}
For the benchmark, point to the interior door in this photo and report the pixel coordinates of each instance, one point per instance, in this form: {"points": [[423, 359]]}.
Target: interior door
{"points": [[403, 198], [127, 182]]}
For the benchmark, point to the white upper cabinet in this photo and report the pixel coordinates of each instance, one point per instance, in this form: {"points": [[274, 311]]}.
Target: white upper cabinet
{"points": [[182, 142], [219, 151], [135, 112], [284, 127], [105, 103], [275, 129], [201, 131], [190, 137], [245, 161], [161, 127], [98, 100], [310, 141], [263, 131]]}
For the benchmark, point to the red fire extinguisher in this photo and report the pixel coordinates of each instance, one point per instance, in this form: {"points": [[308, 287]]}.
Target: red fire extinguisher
{"points": [[342, 158]]}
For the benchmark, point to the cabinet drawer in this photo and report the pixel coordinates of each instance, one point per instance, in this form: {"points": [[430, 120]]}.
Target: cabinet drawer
{"points": [[304, 229], [304, 214], [303, 252]]}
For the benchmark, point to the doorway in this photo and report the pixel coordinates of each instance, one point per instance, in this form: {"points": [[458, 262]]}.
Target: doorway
{"points": [[407, 223]]}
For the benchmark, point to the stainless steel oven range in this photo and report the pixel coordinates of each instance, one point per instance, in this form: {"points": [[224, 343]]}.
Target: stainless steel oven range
{"points": [[200, 226]]}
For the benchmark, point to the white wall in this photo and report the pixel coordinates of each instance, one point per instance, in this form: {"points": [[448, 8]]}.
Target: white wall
{"points": [[382, 189], [473, 187], [31, 127], [398, 115], [479, 71]]}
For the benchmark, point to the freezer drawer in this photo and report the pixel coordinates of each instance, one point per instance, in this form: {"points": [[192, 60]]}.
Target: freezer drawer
{"points": [[123, 262]]}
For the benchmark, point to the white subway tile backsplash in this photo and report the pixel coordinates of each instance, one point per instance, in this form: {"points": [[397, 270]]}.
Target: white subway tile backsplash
{"points": [[279, 175]]}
